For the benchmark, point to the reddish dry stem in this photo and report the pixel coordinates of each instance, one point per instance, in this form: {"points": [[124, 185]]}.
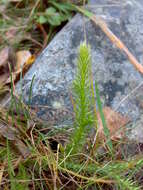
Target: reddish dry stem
{"points": [[115, 40]]}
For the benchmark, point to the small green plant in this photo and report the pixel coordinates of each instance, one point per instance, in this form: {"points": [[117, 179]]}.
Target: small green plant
{"points": [[56, 13], [84, 102], [82, 99]]}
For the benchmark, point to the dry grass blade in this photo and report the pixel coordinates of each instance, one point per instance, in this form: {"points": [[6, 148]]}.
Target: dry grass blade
{"points": [[1, 172], [93, 179]]}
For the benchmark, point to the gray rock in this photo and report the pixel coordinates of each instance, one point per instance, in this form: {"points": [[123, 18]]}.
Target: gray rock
{"points": [[120, 84]]}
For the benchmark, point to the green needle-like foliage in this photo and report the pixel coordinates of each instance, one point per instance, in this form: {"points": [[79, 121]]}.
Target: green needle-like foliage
{"points": [[82, 99]]}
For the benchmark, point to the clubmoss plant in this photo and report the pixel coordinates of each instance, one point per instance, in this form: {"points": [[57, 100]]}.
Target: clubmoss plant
{"points": [[84, 102], [82, 96]]}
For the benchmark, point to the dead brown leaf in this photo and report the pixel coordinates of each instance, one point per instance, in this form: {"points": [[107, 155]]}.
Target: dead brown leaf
{"points": [[13, 135], [7, 55], [3, 78], [29, 62], [7, 60], [21, 59], [24, 61], [4, 55], [115, 123]]}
